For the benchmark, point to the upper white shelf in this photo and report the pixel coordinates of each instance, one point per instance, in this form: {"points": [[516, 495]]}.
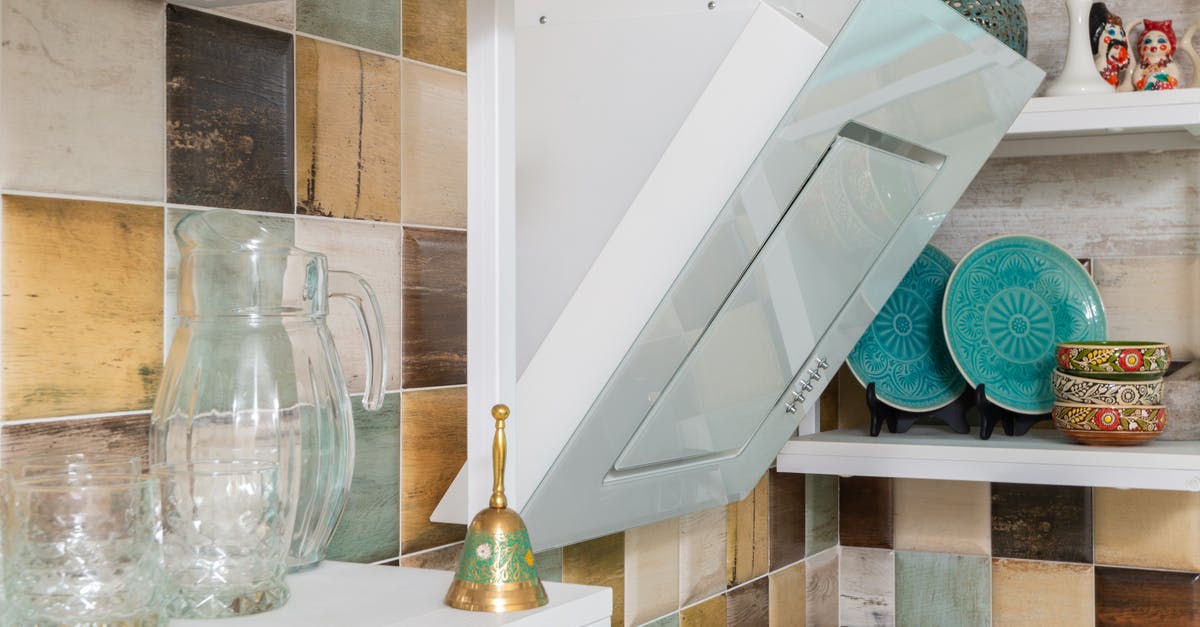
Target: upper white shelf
{"points": [[1040, 456], [1126, 122]]}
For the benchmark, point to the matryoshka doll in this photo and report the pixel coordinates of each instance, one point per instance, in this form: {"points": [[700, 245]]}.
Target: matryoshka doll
{"points": [[1110, 48], [1156, 68]]}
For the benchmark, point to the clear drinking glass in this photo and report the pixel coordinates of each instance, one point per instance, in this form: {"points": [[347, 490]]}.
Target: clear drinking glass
{"points": [[73, 464], [84, 551], [223, 538]]}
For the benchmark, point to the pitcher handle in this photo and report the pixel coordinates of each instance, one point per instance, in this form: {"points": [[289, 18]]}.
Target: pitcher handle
{"points": [[356, 291]]}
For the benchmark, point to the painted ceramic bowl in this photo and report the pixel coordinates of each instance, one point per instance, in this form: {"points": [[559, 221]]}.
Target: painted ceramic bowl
{"points": [[1088, 391], [1110, 424], [1114, 360]]}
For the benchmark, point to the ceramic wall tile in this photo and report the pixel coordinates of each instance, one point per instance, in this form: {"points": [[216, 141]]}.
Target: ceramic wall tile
{"points": [[373, 24], [867, 587], [81, 97], [441, 558], [827, 412], [549, 564], [435, 307], [749, 605], [1028, 592], [866, 512], [277, 13], [821, 590], [1143, 298], [943, 516], [941, 589], [670, 620], [1042, 522], [701, 555], [1148, 528], [1071, 201], [820, 513], [82, 302], [369, 529], [599, 562], [747, 535], [117, 435], [347, 132], [435, 32], [786, 518], [1129, 597], [852, 402], [710, 613], [229, 113], [651, 571], [434, 126], [371, 250], [787, 596], [433, 441]]}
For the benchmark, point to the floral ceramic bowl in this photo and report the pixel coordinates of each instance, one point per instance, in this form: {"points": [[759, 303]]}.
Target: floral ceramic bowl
{"points": [[1110, 424], [1073, 389], [1114, 360]]}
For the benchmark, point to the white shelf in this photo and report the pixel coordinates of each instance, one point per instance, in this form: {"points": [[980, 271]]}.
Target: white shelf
{"points": [[1125, 122], [1041, 456], [359, 595]]}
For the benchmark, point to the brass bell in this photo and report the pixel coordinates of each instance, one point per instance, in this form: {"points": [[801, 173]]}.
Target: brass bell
{"points": [[496, 572]]}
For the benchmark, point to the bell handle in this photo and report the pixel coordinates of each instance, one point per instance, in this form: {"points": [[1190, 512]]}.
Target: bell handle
{"points": [[351, 288], [499, 451]]}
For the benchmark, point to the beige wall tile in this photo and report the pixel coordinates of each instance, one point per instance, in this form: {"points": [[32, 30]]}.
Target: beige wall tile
{"points": [[1147, 528], [277, 13], [433, 446], [787, 596], [821, 588], [747, 535], [866, 586], [701, 555], [82, 302], [710, 613], [434, 167], [599, 562], [81, 97], [1026, 592], [943, 516], [1153, 298], [651, 571]]}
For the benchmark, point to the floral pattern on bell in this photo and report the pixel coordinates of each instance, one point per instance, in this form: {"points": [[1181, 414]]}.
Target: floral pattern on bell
{"points": [[497, 558], [1004, 19]]}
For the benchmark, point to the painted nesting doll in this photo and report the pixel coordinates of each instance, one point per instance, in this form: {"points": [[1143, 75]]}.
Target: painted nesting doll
{"points": [[1156, 68], [1110, 47]]}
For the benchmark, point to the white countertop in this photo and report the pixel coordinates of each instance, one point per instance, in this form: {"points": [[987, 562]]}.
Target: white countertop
{"points": [[358, 595]]}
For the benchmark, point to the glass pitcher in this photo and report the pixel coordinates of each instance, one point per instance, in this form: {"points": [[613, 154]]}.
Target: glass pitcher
{"points": [[252, 372]]}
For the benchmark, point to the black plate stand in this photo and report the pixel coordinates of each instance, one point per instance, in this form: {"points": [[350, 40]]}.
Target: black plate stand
{"points": [[899, 421], [990, 415]]}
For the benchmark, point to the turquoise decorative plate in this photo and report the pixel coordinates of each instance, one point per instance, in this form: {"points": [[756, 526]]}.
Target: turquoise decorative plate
{"points": [[1007, 304], [904, 351]]}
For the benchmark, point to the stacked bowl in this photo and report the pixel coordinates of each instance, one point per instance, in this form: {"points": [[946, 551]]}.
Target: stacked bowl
{"points": [[1110, 393]]}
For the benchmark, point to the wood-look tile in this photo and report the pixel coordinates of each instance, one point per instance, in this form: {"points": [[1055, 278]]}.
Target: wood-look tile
{"points": [[943, 516], [599, 562], [787, 596], [749, 605], [435, 32], [827, 414], [820, 513], [433, 441], [116, 435], [435, 307], [434, 130], [710, 613], [821, 589], [229, 113], [82, 302], [549, 564], [701, 555], [865, 516], [81, 97], [867, 587], [369, 529], [670, 620], [940, 590], [372, 251], [651, 571], [347, 132], [373, 24], [1042, 522], [852, 402], [1026, 592], [1127, 285], [747, 535], [787, 499], [1148, 528], [1132, 598], [277, 13], [441, 558]]}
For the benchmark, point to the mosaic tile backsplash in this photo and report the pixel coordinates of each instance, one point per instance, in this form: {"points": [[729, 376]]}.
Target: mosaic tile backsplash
{"points": [[343, 124]]}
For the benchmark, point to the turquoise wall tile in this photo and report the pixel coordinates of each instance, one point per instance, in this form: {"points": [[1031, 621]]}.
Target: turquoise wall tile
{"points": [[821, 513], [373, 24], [370, 527], [942, 590], [549, 564], [670, 620]]}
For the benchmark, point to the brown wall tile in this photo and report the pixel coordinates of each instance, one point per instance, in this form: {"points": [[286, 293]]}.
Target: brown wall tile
{"points": [[787, 517], [1167, 525], [1028, 593], [435, 32], [701, 555], [434, 126], [748, 537], [117, 435], [82, 301], [1131, 598], [229, 113], [787, 596], [711, 613], [1042, 522], [749, 605], [599, 562], [866, 512], [433, 446], [435, 307], [442, 558]]}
